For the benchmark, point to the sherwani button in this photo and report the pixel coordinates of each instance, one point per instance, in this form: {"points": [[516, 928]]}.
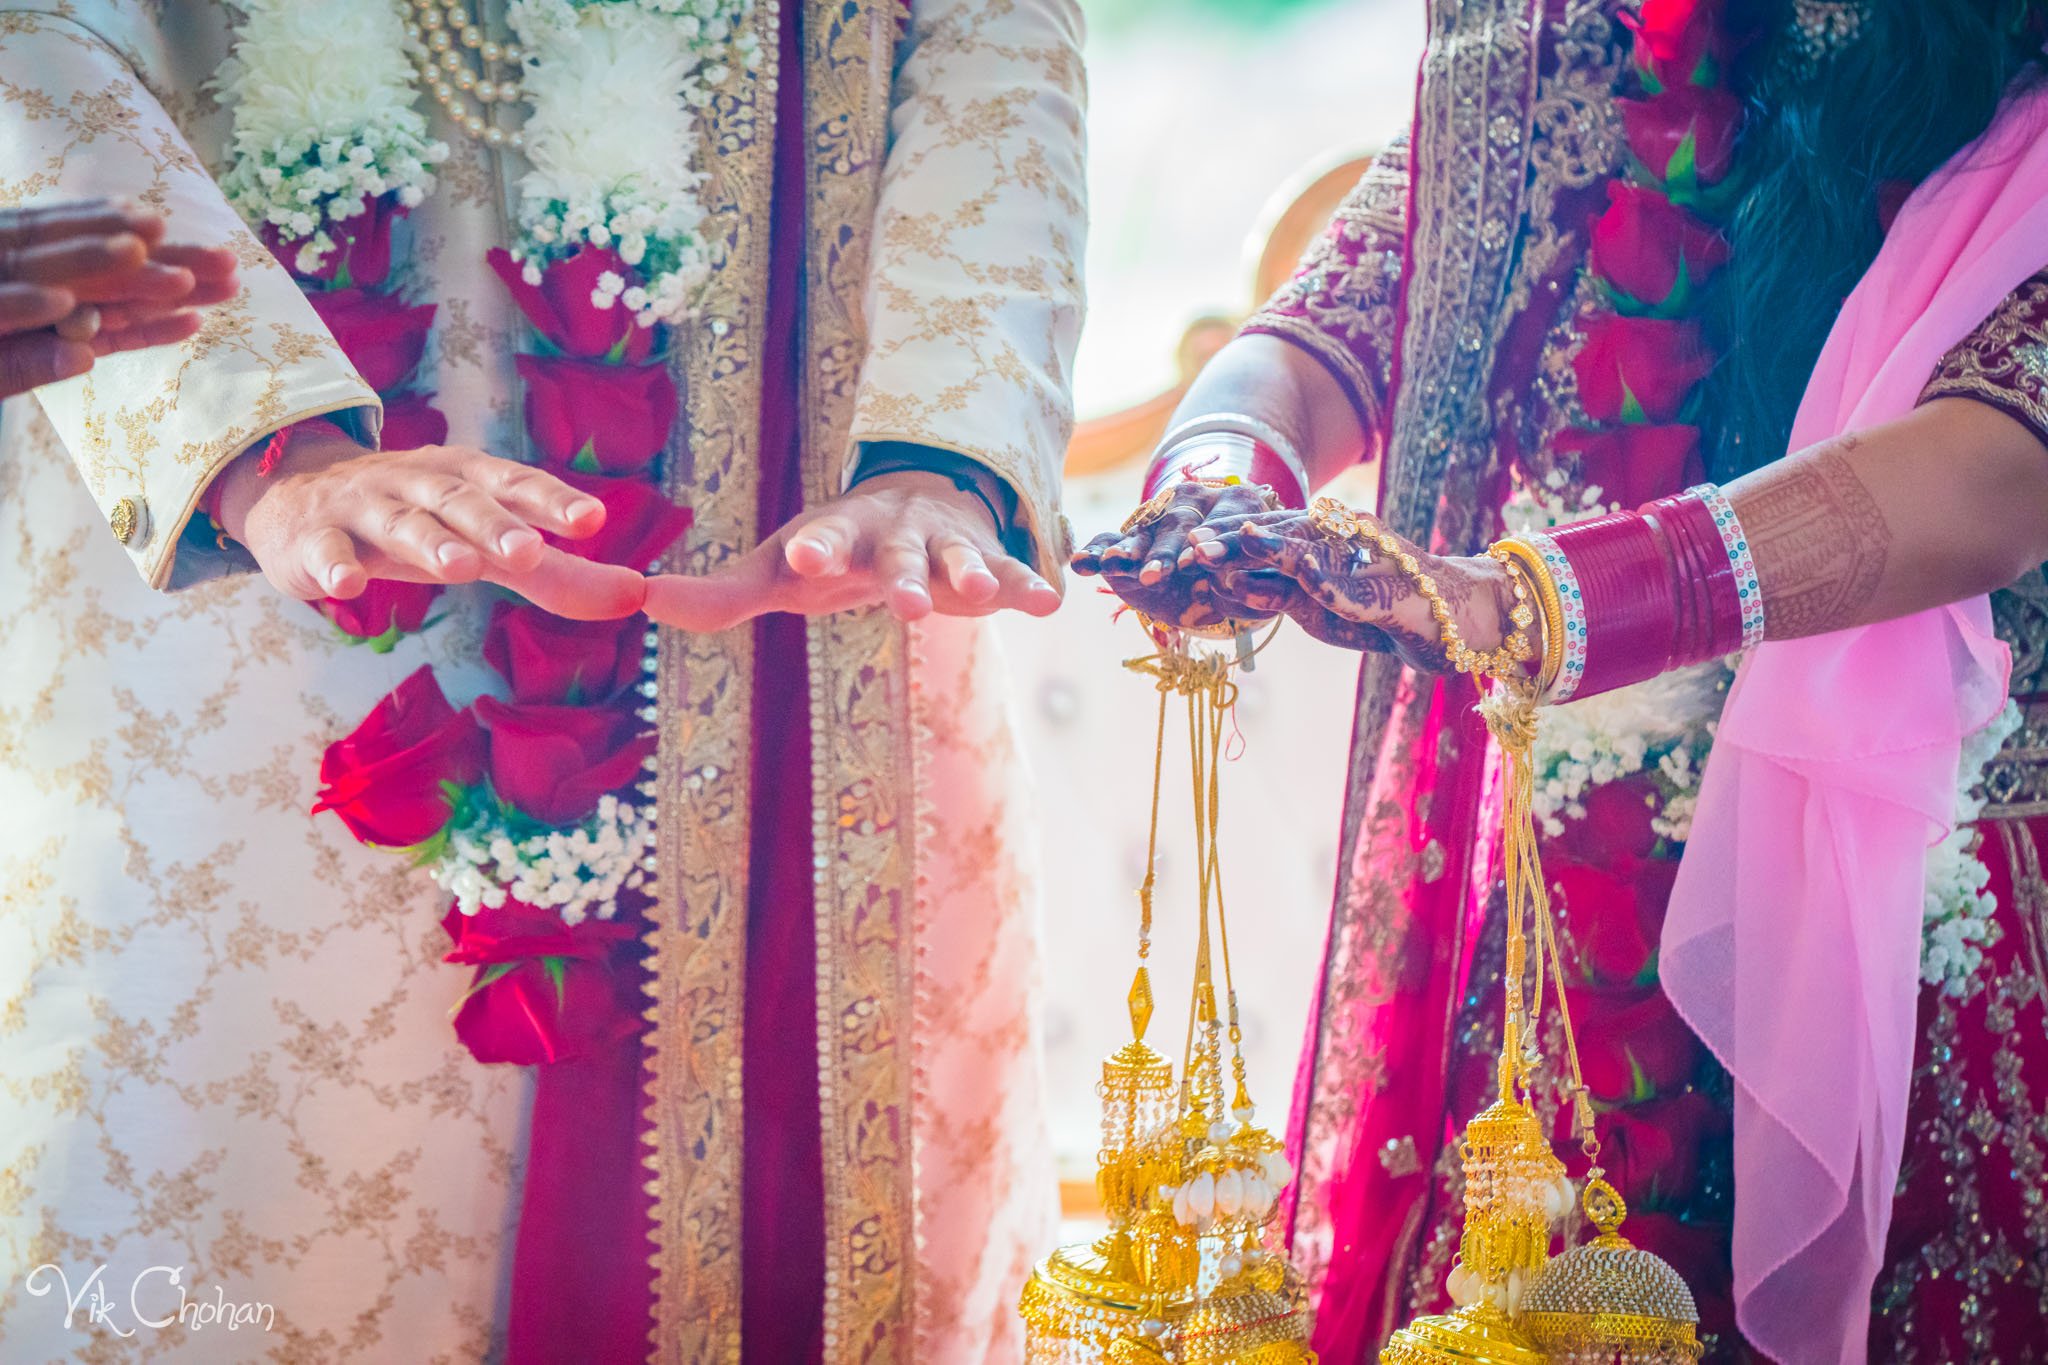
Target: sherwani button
{"points": [[129, 518]]}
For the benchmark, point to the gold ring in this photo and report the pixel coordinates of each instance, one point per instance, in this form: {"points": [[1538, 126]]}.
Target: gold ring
{"points": [[1149, 511]]}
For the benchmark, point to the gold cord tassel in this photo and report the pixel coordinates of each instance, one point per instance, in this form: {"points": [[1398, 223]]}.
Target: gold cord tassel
{"points": [[1188, 1181]]}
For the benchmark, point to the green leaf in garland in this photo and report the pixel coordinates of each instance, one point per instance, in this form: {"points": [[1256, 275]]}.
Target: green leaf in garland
{"points": [[1632, 412], [1651, 85], [1682, 176], [388, 641], [1707, 72], [557, 968], [617, 354], [1639, 1086], [1676, 304], [343, 277], [489, 976], [430, 851], [586, 458]]}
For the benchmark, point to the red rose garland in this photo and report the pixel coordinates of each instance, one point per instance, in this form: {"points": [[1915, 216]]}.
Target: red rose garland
{"points": [[551, 775], [1652, 250]]}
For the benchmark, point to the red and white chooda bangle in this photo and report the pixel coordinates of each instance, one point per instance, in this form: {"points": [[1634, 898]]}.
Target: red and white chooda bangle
{"points": [[1636, 594], [1230, 445]]}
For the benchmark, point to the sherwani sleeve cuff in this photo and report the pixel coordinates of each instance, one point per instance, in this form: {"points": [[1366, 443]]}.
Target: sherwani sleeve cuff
{"points": [[974, 295], [149, 430]]}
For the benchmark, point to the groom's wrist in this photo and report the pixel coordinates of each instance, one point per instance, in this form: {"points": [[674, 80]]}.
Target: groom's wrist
{"points": [[964, 473], [312, 444]]}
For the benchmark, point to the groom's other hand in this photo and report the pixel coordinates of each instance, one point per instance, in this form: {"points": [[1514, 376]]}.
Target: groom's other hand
{"points": [[332, 516], [84, 279], [911, 540]]}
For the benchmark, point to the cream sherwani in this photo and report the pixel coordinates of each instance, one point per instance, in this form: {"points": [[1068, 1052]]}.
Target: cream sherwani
{"points": [[224, 1040]]}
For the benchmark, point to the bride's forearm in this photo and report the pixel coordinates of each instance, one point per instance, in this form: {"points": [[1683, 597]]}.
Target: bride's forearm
{"points": [[1945, 504], [1278, 383]]}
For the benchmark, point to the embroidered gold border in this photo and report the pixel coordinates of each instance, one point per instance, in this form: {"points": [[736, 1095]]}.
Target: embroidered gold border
{"points": [[863, 825], [1468, 170], [699, 936]]}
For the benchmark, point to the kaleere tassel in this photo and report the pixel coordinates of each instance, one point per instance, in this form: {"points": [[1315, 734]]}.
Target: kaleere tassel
{"points": [[1187, 1178]]}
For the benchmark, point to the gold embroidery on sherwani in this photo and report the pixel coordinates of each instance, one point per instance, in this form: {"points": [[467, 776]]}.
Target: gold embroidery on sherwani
{"points": [[696, 1156], [974, 295], [863, 855], [134, 430]]}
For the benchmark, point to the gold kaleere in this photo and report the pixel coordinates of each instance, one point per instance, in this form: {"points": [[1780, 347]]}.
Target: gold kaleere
{"points": [[1604, 1303], [1188, 1180], [1609, 1302]]}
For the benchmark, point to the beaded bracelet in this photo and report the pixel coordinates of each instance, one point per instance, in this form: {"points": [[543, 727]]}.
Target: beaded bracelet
{"points": [[1340, 524]]}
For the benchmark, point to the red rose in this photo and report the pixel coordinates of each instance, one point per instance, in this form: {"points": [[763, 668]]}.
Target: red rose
{"points": [[1632, 1044], [1600, 910], [411, 421], [361, 257], [1684, 137], [543, 992], [554, 762], [639, 523], [1639, 370], [384, 611], [1679, 42], [1652, 252], [1615, 832], [599, 418], [385, 780], [1652, 1150], [383, 337], [549, 659], [560, 307], [1633, 465]]}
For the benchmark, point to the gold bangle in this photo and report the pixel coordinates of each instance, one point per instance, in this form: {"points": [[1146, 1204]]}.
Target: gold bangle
{"points": [[1339, 523], [1547, 599]]}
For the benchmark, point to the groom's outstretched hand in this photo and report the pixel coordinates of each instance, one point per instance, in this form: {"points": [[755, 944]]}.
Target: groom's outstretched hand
{"points": [[911, 541], [333, 516]]}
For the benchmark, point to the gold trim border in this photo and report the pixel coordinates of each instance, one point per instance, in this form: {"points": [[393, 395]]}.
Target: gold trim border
{"points": [[698, 939]]}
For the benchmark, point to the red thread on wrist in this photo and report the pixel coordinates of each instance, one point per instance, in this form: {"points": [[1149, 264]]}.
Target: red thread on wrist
{"points": [[273, 451]]}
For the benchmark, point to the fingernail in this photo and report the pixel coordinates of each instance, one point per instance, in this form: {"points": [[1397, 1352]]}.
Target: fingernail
{"points": [[512, 542], [581, 508], [1209, 550], [449, 553]]}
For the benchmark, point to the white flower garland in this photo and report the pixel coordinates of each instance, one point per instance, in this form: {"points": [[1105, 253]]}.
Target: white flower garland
{"points": [[324, 118], [1956, 921], [615, 87], [1663, 726], [578, 872]]}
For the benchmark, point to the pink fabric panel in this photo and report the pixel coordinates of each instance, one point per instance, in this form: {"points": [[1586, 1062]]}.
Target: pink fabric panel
{"points": [[1793, 940]]}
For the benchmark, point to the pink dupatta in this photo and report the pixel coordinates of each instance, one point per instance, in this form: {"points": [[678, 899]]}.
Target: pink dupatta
{"points": [[1793, 941]]}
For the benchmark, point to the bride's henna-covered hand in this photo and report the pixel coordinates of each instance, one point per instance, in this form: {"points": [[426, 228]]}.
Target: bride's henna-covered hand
{"points": [[1254, 594], [1139, 564], [1350, 583]]}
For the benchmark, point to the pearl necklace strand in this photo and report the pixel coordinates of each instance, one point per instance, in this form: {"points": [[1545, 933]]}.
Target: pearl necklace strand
{"points": [[443, 31]]}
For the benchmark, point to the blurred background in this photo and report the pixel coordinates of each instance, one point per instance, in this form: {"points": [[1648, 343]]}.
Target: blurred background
{"points": [[1222, 133]]}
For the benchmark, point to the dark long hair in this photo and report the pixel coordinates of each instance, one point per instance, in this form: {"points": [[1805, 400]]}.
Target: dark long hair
{"points": [[1820, 147]]}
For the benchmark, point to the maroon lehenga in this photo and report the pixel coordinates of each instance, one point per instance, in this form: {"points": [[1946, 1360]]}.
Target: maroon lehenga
{"points": [[1449, 298]]}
